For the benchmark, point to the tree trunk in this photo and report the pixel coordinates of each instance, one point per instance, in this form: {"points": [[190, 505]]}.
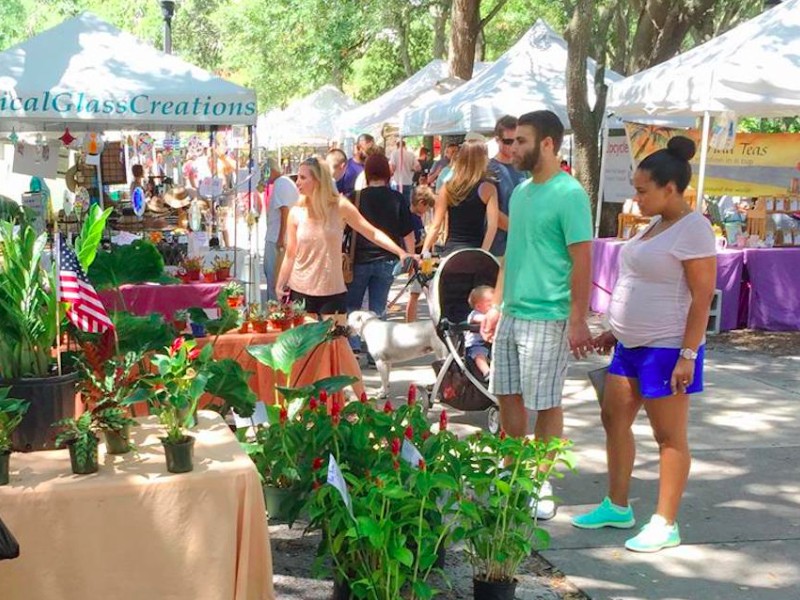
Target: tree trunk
{"points": [[583, 119], [441, 14], [402, 34], [463, 35]]}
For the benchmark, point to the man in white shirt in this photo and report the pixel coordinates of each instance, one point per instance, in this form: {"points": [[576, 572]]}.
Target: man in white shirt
{"points": [[403, 165], [284, 196]]}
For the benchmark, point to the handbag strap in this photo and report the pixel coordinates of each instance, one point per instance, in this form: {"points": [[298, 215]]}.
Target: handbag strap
{"points": [[353, 234]]}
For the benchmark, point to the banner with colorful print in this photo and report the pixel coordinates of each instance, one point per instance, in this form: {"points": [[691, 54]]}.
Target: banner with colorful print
{"points": [[759, 164]]}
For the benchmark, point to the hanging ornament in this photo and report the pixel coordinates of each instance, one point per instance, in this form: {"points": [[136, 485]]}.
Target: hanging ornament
{"points": [[93, 143], [13, 137], [82, 199], [195, 216], [138, 201], [144, 143], [67, 138]]}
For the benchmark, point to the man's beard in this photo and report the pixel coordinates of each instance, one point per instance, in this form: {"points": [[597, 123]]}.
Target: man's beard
{"points": [[529, 160]]}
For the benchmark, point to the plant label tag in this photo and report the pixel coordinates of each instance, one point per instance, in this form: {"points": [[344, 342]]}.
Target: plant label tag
{"points": [[336, 479], [410, 454]]}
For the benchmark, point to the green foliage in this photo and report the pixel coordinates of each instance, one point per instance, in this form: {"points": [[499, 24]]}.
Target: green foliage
{"points": [[756, 125], [291, 346], [11, 412], [228, 381], [88, 241], [28, 306], [139, 262], [81, 434], [11, 211], [141, 334]]}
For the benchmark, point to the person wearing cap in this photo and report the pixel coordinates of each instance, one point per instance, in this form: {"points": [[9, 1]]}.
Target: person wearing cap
{"points": [[507, 175], [284, 195]]}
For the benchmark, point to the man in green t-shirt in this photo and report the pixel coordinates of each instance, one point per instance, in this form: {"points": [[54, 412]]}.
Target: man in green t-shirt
{"points": [[542, 289]]}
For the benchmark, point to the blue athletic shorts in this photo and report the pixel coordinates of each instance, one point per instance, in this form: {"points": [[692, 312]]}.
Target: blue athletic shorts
{"points": [[653, 367]]}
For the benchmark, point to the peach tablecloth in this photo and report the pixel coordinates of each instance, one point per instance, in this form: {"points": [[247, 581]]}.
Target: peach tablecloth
{"points": [[330, 358], [132, 531]]}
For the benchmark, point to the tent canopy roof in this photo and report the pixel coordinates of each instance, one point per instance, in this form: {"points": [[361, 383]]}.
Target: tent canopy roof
{"points": [[431, 81], [309, 121], [753, 69], [87, 74], [531, 75]]}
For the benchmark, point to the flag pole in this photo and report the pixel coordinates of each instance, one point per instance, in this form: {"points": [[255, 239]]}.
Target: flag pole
{"points": [[57, 240]]}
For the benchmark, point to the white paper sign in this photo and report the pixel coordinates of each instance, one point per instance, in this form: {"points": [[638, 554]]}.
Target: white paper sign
{"points": [[618, 170], [410, 454], [336, 479]]}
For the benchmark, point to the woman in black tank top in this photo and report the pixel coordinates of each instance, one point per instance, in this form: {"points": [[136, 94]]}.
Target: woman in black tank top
{"points": [[469, 200]]}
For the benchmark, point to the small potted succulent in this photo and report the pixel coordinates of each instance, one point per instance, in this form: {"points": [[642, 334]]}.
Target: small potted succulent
{"points": [[298, 312], [180, 318], [258, 319], [177, 385], [222, 266], [11, 412], [191, 267], [79, 435], [209, 275], [279, 316], [234, 293]]}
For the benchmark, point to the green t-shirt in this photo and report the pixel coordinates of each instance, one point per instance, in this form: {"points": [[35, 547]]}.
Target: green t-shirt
{"points": [[544, 219]]}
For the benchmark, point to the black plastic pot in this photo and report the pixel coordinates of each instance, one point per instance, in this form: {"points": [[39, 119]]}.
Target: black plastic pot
{"points": [[118, 442], [4, 456], [51, 399], [83, 467], [493, 590], [341, 590], [179, 456]]}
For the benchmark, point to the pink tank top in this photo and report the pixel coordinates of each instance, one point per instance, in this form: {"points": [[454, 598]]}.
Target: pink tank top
{"points": [[318, 263]]}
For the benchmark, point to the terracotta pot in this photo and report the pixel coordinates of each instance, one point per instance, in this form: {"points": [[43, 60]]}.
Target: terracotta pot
{"points": [[210, 277], [260, 326], [179, 325], [285, 324], [223, 274], [193, 275], [233, 301], [298, 320], [244, 327]]}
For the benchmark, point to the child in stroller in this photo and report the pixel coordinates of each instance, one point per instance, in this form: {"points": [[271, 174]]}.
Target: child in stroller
{"points": [[480, 301]]}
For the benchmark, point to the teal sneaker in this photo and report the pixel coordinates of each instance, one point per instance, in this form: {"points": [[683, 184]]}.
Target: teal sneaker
{"points": [[655, 536], [606, 514]]}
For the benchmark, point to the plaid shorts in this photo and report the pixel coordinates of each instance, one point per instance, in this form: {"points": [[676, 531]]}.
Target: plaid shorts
{"points": [[530, 358]]}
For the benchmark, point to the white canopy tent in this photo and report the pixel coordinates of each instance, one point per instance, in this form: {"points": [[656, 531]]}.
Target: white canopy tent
{"points": [[753, 70], [531, 75], [310, 121], [432, 81], [86, 74]]}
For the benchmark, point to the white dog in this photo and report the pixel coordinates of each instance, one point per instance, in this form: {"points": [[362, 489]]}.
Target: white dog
{"points": [[393, 342]]}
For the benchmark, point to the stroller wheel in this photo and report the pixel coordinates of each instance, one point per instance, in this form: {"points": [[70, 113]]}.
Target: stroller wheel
{"points": [[493, 420]]}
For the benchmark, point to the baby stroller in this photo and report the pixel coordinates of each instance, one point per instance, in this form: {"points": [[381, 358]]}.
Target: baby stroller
{"points": [[458, 381]]}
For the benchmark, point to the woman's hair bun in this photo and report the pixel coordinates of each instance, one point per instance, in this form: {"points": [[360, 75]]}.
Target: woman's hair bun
{"points": [[681, 147]]}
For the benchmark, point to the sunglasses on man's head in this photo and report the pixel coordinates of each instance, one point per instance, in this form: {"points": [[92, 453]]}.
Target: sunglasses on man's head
{"points": [[507, 141]]}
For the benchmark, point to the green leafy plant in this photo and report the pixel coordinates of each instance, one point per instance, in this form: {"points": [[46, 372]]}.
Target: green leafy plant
{"points": [[192, 263], [233, 289], [11, 412], [87, 243], [228, 381], [139, 262], [80, 434], [106, 384], [181, 315], [221, 262], [499, 522]]}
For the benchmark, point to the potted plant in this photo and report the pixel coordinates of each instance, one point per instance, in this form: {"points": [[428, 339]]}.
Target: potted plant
{"points": [[500, 528], [298, 312], [192, 266], [30, 315], [222, 266], [258, 319], [78, 434], [176, 386], [11, 412], [107, 383], [180, 319], [198, 328], [234, 293], [209, 275]]}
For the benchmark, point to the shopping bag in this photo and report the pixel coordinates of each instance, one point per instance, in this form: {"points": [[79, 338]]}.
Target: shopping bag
{"points": [[9, 548]]}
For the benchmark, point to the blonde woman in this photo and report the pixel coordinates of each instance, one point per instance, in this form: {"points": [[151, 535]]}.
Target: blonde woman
{"points": [[469, 201], [312, 267]]}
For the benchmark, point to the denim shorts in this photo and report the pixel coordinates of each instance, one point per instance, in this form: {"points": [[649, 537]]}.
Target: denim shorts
{"points": [[652, 368]]}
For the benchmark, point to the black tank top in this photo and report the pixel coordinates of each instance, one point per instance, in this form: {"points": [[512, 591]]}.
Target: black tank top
{"points": [[466, 222]]}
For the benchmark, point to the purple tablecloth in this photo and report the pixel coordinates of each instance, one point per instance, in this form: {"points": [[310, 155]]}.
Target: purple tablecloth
{"points": [[144, 299], [605, 269], [774, 275]]}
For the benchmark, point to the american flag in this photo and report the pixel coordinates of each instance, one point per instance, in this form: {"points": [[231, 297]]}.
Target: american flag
{"points": [[86, 310]]}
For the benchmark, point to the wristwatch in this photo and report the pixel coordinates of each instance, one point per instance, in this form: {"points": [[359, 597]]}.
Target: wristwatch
{"points": [[688, 354]]}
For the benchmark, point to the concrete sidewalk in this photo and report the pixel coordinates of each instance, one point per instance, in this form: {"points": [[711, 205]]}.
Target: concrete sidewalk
{"points": [[740, 519]]}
